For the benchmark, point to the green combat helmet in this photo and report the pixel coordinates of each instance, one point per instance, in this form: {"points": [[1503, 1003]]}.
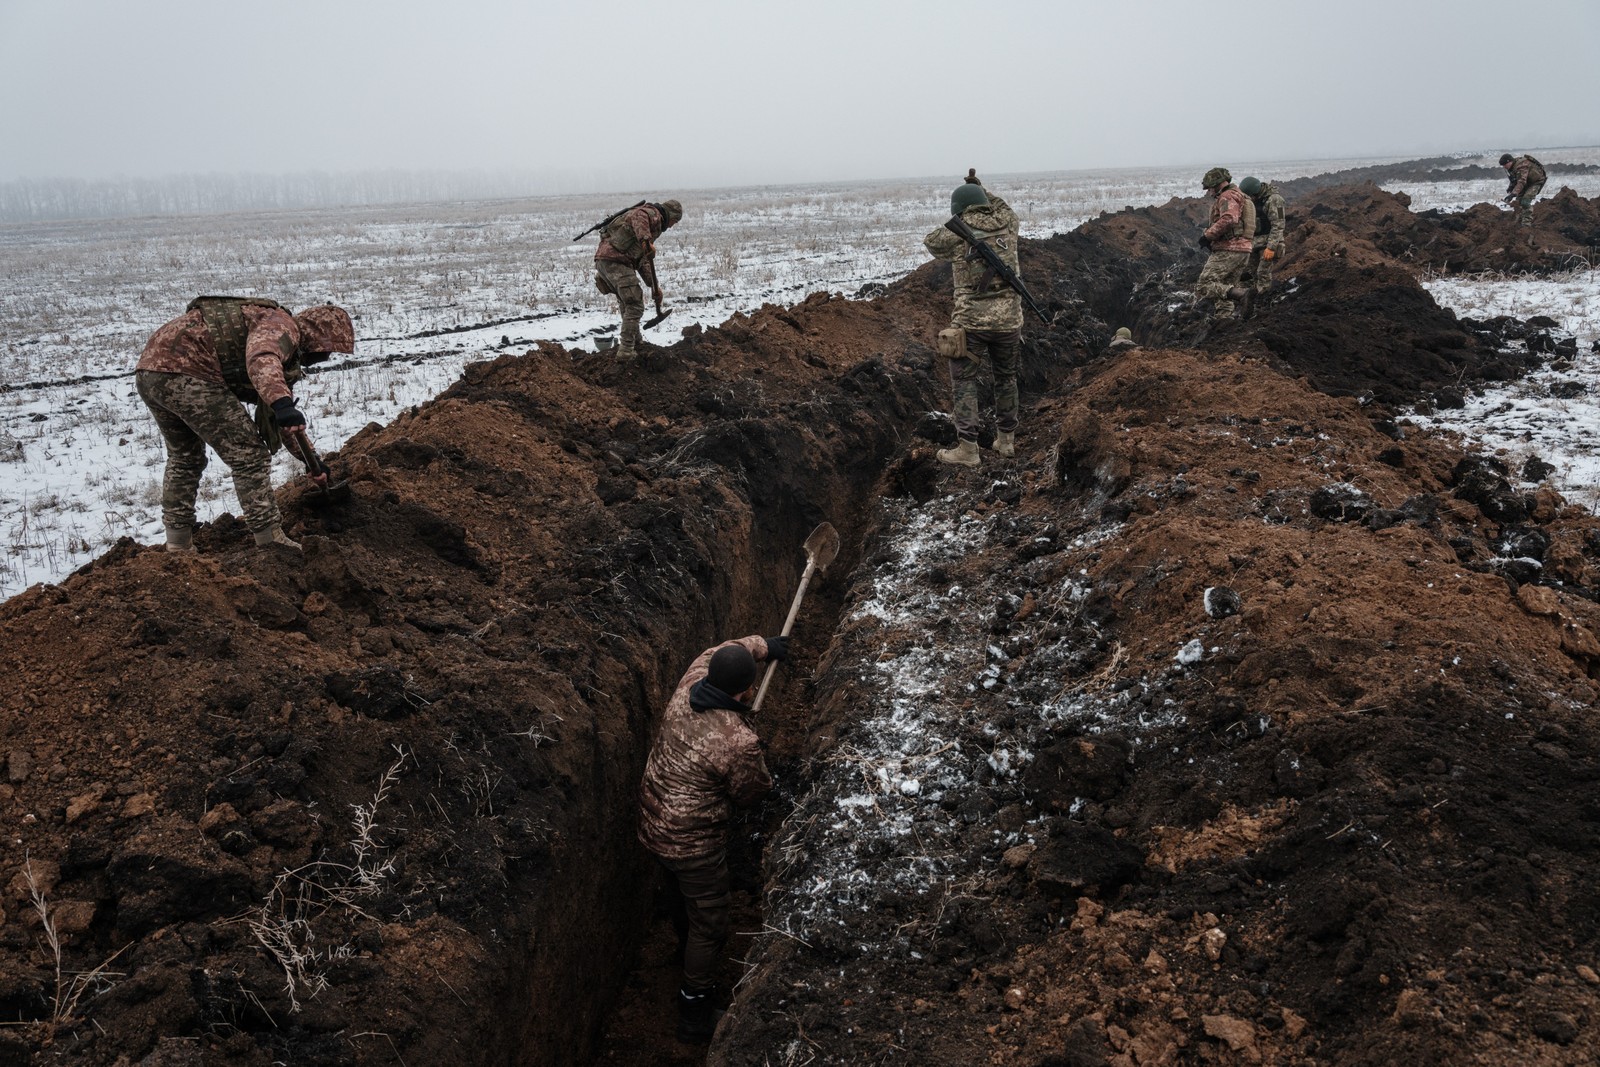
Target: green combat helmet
{"points": [[672, 210], [968, 194], [1214, 177], [1250, 186], [1507, 158]]}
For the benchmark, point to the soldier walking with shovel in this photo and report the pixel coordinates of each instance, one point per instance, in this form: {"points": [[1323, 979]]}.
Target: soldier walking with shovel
{"points": [[706, 759]]}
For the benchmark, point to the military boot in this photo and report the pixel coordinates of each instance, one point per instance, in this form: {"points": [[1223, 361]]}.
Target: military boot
{"points": [[1244, 298], [180, 541], [697, 1016], [1005, 443], [274, 535], [965, 453]]}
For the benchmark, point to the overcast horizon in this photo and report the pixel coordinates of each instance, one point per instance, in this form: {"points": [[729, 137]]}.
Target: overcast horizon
{"points": [[722, 94]]}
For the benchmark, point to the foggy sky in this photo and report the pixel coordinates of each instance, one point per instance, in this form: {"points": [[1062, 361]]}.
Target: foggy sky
{"points": [[731, 92]]}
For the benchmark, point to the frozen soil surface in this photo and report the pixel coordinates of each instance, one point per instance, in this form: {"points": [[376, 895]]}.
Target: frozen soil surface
{"points": [[1036, 804]]}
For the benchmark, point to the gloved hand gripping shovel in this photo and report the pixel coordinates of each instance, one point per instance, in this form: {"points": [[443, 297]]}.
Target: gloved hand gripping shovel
{"points": [[325, 490], [821, 549]]}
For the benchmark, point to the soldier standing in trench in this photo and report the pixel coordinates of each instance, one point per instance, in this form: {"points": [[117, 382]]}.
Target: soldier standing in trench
{"points": [[195, 374], [1229, 238], [1525, 181], [706, 758], [986, 323], [627, 252]]}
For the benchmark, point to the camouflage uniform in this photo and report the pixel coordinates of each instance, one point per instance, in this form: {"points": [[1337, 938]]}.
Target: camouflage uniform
{"points": [[183, 381], [1526, 178], [989, 310], [704, 761], [1233, 223], [627, 250], [1269, 234]]}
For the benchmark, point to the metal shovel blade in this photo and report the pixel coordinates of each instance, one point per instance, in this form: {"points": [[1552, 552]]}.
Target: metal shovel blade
{"points": [[656, 321], [822, 547]]}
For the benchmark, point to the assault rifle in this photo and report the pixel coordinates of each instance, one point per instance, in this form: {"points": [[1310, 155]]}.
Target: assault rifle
{"points": [[607, 221], [997, 266]]}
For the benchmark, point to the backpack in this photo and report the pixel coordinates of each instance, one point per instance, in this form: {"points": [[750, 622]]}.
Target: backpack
{"points": [[224, 320], [1536, 174]]}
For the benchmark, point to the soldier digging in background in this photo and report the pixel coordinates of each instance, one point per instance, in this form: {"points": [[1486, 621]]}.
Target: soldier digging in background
{"points": [[627, 252], [1121, 341], [1229, 238], [196, 373], [1525, 181], [706, 758], [1267, 247], [986, 323]]}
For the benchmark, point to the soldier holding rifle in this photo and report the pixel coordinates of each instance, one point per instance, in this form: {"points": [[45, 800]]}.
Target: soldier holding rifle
{"points": [[980, 241]]}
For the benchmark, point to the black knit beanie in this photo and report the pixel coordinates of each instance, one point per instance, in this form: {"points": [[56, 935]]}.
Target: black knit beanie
{"points": [[732, 669]]}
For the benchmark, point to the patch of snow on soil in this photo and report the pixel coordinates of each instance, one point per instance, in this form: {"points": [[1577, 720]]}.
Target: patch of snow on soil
{"points": [[1551, 414], [947, 711]]}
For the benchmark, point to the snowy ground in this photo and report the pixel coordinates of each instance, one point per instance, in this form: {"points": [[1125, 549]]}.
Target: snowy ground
{"points": [[1554, 413], [432, 287]]}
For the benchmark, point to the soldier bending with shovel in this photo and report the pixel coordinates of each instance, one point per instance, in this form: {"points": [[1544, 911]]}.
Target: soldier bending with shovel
{"points": [[627, 252], [197, 371]]}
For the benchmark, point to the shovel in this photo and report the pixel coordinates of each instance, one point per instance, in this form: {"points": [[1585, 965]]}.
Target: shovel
{"points": [[656, 320], [325, 492], [821, 548]]}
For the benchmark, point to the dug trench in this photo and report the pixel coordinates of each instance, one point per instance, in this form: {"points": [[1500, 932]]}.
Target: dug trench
{"points": [[376, 805]]}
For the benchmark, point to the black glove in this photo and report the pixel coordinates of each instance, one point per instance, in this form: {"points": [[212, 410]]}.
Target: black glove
{"points": [[285, 414], [777, 649], [1508, 198], [1205, 242]]}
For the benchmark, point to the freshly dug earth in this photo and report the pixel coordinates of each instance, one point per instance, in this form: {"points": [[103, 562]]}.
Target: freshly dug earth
{"points": [[376, 804]]}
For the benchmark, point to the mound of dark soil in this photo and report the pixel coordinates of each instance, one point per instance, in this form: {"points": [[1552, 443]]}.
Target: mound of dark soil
{"points": [[1352, 826]]}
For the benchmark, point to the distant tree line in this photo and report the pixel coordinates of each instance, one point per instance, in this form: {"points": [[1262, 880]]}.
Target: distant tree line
{"points": [[41, 199]]}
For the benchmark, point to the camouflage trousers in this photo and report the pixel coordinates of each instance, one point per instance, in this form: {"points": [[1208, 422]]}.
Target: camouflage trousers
{"points": [[192, 414], [699, 902], [624, 281], [1525, 204], [1258, 272], [1221, 273], [1000, 348]]}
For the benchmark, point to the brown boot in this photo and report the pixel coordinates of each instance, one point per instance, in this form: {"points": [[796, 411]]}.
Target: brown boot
{"points": [[1005, 443], [274, 535], [965, 453], [180, 541]]}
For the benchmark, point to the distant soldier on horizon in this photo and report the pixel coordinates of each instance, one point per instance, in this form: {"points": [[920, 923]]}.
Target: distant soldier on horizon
{"points": [[1267, 247], [1229, 238], [1526, 178], [195, 375], [627, 252], [986, 323]]}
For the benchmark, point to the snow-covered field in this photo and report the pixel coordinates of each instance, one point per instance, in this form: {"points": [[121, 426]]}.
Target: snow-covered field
{"points": [[432, 287]]}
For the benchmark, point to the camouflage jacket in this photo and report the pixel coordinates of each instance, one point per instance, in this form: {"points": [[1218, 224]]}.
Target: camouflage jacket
{"points": [[631, 237], [185, 346], [1269, 219], [1523, 172], [1233, 221], [702, 763], [983, 301]]}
